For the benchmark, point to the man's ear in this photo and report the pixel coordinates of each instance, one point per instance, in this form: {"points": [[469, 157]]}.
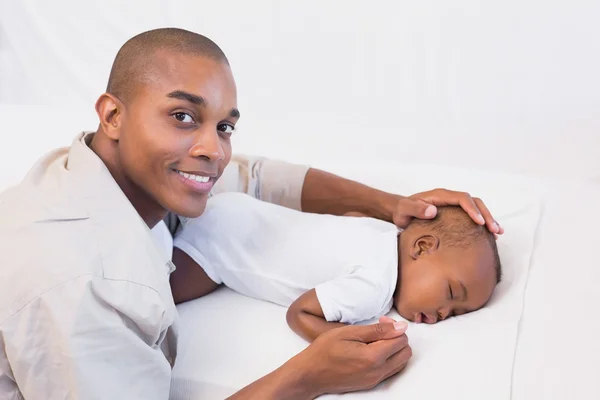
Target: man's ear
{"points": [[424, 245], [110, 110]]}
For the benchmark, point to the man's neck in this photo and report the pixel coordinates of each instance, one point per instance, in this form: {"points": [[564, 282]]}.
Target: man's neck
{"points": [[106, 149]]}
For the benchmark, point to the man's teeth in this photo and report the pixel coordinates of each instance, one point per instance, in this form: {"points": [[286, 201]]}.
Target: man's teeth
{"points": [[193, 177]]}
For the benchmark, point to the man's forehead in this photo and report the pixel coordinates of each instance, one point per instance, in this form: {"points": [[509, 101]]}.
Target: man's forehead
{"points": [[172, 64], [170, 71]]}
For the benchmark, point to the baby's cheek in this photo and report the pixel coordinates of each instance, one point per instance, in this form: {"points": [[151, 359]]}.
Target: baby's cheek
{"points": [[404, 310], [408, 302], [423, 295]]}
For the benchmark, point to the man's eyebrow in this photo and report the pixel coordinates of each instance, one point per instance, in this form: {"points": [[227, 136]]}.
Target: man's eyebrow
{"points": [[198, 100], [192, 98], [462, 285]]}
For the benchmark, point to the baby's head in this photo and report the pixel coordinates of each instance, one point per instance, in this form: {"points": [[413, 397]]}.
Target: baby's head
{"points": [[447, 266]]}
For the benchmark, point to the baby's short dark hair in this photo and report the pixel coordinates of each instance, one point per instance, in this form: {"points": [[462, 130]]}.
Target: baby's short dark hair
{"points": [[455, 228]]}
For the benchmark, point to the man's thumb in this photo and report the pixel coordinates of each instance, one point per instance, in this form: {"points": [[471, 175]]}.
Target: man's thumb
{"points": [[419, 208], [408, 209], [386, 329]]}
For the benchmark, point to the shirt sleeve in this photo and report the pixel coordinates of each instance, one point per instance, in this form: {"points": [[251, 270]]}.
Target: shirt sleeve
{"points": [[187, 241], [90, 338], [353, 298], [273, 181]]}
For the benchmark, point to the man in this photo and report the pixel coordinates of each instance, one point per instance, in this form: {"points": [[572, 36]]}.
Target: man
{"points": [[86, 310]]}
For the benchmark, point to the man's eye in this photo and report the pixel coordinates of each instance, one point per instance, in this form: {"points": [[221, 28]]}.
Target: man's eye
{"points": [[183, 117], [226, 128]]}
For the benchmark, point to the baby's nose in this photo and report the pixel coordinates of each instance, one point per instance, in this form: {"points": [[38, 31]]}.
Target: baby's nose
{"points": [[443, 313]]}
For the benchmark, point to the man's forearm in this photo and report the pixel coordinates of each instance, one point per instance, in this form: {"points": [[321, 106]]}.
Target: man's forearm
{"points": [[325, 193], [287, 382]]}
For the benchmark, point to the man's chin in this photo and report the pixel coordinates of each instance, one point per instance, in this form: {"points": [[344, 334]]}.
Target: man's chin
{"points": [[191, 209]]}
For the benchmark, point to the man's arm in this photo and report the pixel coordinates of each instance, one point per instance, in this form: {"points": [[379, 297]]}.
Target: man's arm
{"points": [[347, 359], [90, 338], [273, 181], [305, 317], [325, 193], [311, 190]]}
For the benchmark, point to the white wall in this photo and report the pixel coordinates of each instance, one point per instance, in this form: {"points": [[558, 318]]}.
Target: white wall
{"points": [[510, 85]]}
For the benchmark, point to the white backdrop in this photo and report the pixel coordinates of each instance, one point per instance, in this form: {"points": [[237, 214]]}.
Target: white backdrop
{"points": [[510, 85]]}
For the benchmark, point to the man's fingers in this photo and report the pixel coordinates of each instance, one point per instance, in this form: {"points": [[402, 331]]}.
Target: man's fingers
{"points": [[445, 197], [491, 223], [468, 204], [397, 362], [374, 332], [500, 228], [423, 206], [394, 372], [386, 349]]}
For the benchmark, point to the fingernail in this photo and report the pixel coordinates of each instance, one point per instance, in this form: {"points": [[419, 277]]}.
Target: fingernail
{"points": [[430, 211], [480, 219], [400, 325], [496, 226]]}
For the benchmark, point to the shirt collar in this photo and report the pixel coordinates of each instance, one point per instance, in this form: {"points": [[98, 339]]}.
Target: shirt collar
{"points": [[94, 192], [92, 181]]}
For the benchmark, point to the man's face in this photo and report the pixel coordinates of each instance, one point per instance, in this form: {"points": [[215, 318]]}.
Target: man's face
{"points": [[438, 283], [174, 140]]}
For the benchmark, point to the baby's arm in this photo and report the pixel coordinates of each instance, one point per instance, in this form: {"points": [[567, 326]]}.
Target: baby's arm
{"points": [[189, 281], [305, 317]]}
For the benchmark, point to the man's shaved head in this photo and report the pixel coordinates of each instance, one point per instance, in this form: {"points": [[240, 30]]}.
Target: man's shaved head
{"points": [[135, 62], [166, 121]]}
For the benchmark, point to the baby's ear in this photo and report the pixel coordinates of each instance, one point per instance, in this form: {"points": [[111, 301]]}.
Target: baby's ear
{"points": [[424, 245]]}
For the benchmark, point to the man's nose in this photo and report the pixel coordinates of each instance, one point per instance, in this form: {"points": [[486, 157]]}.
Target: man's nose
{"points": [[207, 144]]}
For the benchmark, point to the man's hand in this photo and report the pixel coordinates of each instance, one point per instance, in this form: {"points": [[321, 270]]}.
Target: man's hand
{"points": [[344, 359], [423, 206], [325, 193], [355, 357]]}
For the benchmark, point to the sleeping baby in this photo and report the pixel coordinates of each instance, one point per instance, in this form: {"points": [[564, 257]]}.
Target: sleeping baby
{"points": [[331, 270]]}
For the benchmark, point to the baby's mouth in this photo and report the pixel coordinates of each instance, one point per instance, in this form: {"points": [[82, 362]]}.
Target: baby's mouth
{"points": [[429, 320]]}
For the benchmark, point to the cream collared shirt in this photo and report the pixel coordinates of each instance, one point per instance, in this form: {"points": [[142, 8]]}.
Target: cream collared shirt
{"points": [[86, 310]]}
